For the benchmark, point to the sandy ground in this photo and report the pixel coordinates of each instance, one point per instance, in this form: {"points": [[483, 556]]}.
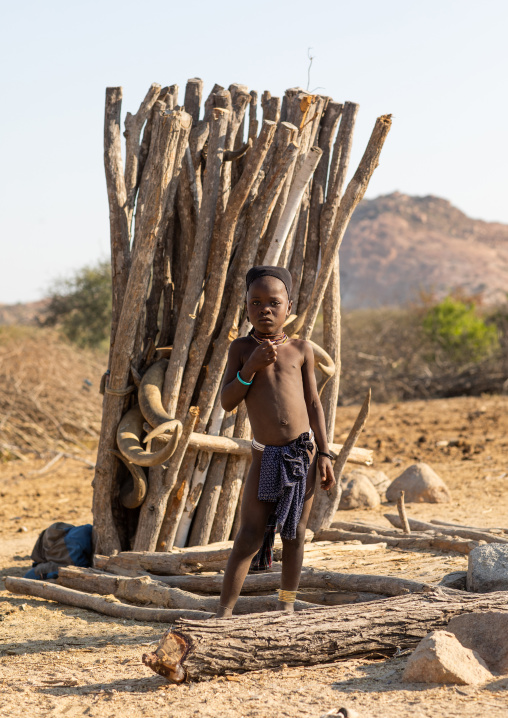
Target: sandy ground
{"points": [[64, 661]]}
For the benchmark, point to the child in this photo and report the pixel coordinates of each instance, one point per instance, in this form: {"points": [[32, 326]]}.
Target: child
{"points": [[275, 377]]}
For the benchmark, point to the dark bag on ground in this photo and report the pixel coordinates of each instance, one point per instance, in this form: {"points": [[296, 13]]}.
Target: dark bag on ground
{"points": [[61, 544]]}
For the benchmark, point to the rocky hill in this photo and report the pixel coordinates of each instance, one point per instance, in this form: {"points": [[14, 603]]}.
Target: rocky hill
{"points": [[397, 245]]}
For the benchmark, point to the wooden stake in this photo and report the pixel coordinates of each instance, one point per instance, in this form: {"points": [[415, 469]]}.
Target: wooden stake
{"points": [[232, 483], [196, 273], [118, 211], [302, 178], [209, 499], [218, 262], [133, 127], [355, 191], [160, 486], [324, 509], [401, 508], [164, 170]]}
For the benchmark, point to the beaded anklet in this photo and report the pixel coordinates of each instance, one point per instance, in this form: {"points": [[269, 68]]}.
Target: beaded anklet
{"points": [[287, 596]]}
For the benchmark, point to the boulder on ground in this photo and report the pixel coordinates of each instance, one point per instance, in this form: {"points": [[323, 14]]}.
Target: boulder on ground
{"points": [[487, 568], [440, 658], [420, 484], [454, 579], [378, 479], [358, 493], [486, 634]]}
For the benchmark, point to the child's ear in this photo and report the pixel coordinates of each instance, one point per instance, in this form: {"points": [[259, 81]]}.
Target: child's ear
{"points": [[290, 304]]}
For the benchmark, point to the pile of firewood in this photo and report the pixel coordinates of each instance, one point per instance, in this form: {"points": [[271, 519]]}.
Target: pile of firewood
{"points": [[203, 196], [183, 586]]}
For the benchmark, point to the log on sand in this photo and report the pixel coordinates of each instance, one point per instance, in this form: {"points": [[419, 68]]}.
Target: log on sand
{"points": [[147, 590], [466, 533], [201, 649], [109, 606], [438, 543], [179, 562], [258, 582]]}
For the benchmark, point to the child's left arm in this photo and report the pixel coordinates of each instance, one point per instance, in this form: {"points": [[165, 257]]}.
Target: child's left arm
{"points": [[316, 418]]}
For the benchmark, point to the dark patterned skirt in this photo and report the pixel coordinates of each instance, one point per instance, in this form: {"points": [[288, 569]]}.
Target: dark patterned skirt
{"points": [[282, 480]]}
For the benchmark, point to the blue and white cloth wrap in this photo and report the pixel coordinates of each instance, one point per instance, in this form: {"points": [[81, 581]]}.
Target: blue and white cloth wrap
{"points": [[283, 479]]}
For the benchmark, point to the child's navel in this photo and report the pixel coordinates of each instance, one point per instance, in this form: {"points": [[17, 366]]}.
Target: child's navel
{"points": [[284, 422]]}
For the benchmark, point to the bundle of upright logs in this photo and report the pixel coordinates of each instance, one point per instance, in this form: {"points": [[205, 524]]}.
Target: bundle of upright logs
{"points": [[204, 196]]}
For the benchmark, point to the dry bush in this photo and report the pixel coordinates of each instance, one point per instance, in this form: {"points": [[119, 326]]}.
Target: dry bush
{"points": [[49, 400], [388, 350]]}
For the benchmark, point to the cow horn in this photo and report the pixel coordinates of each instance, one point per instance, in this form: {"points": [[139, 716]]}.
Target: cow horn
{"points": [[128, 439], [133, 490], [150, 394], [167, 426], [324, 362]]}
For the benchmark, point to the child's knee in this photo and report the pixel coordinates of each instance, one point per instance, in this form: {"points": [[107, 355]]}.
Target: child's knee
{"points": [[299, 539], [249, 540]]}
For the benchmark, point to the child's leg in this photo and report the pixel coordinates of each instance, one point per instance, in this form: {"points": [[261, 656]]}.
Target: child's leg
{"points": [[292, 549], [254, 516]]}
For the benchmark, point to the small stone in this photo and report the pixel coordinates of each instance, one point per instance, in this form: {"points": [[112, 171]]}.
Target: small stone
{"points": [[440, 658], [358, 493], [420, 484], [487, 568], [22, 529], [486, 634], [377, 478], [455, 579]]}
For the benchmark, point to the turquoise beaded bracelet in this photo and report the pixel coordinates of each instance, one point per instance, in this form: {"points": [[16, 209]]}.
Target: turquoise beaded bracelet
{"points": [[245, 383]]}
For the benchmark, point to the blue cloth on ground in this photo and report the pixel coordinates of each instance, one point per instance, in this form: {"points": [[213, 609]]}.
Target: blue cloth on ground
{"points": [[61, 544]]}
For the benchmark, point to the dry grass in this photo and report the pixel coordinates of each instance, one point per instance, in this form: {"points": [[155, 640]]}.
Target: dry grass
{"points": [[49, 401]]}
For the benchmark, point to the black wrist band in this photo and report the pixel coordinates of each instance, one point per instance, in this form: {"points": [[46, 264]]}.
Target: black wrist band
{"points": [[325, 453]]}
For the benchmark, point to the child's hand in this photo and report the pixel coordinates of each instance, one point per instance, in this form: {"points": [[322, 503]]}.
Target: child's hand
{"points": [[325, 470], [262, 356]]}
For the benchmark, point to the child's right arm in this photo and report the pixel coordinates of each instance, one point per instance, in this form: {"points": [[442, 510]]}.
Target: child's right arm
{"points": [[233, 390]]}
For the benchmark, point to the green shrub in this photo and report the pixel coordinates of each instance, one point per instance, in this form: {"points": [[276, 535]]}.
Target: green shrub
{"points": [[81, 306], [455, 326]]}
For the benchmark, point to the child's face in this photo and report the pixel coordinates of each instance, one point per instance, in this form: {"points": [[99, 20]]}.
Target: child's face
{"points": [[268, 305]]}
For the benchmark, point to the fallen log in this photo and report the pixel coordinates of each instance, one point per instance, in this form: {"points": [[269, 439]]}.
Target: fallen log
{"points": [[337, 598], [242, 447], [439, 543], [108, 606], [270, 581], [205, 558], [438, 522], [475, 535], [147, 590], [179, 562], [320, 635]]}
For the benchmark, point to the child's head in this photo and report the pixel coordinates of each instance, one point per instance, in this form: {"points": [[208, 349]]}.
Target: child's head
{"points": [[268, 298]]}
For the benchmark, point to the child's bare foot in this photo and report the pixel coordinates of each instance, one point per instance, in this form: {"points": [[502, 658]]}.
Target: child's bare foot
{"points": [[224, 612], [285, 606]]}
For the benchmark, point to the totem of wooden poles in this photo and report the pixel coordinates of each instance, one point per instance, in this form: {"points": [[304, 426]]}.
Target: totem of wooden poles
{"points": [[204, 194]]}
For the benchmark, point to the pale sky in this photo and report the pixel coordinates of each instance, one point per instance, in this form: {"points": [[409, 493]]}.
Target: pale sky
{"points": [[438, 66]]}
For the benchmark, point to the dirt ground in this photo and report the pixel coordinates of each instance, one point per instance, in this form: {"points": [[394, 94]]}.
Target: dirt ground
{"points": [[58, 661]]}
